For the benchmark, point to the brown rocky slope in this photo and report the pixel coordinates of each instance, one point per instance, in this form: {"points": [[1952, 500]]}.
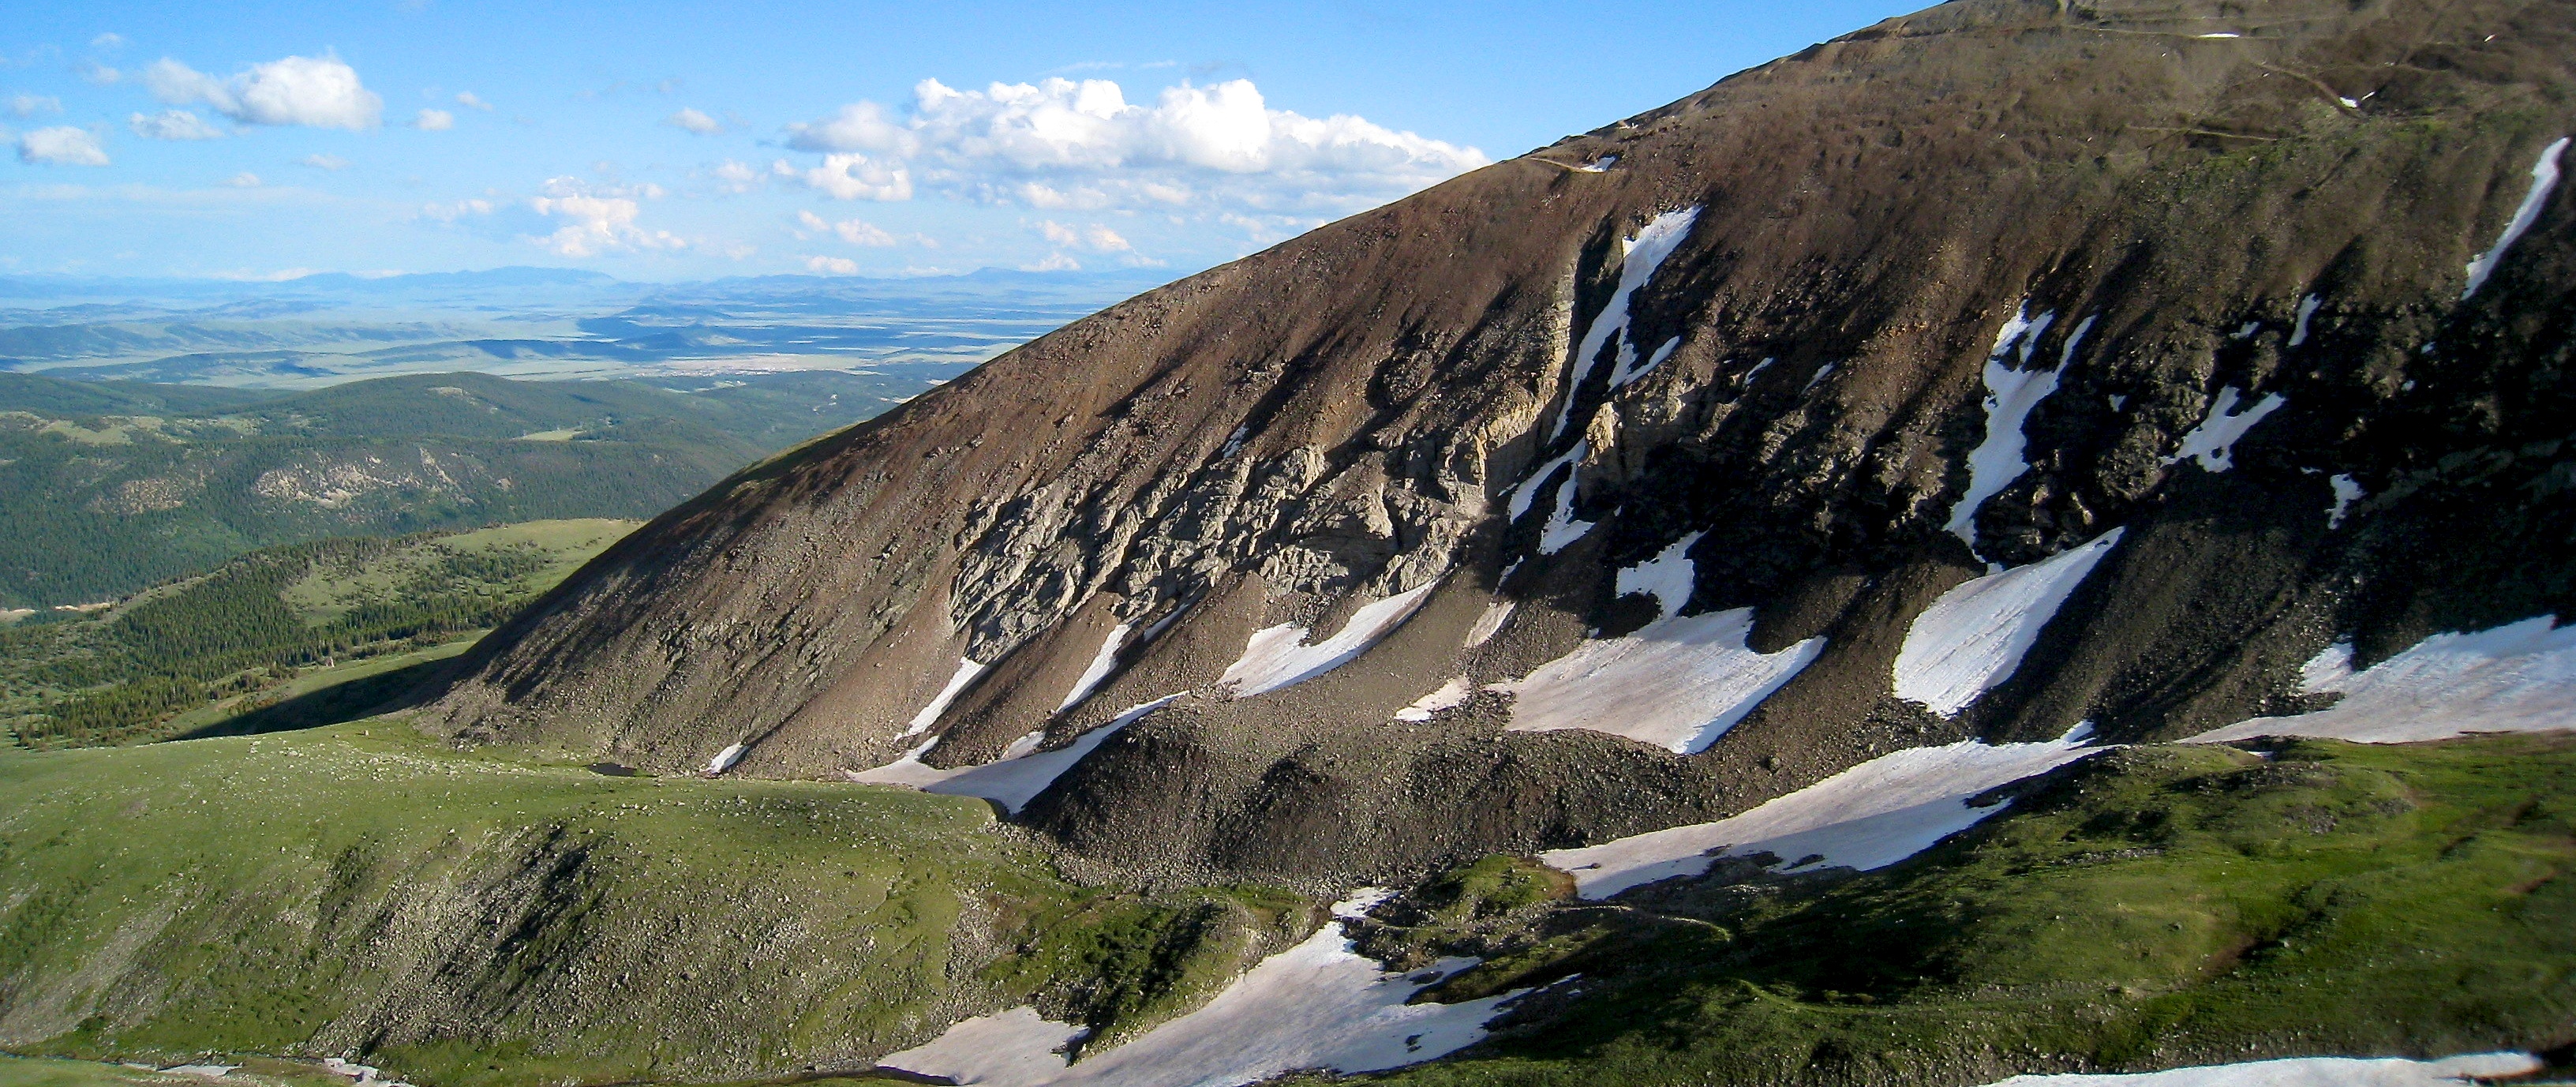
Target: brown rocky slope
{"points": [[2212, 203]]}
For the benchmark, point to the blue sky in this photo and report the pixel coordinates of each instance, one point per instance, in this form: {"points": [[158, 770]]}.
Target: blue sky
{"points": [[683, 141]]}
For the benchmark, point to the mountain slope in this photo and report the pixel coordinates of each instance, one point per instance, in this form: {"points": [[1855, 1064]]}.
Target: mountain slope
{"points": [[1996, 370]]}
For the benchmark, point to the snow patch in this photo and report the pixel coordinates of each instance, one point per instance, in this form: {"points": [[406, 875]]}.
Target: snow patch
{"points": [[2346, 492], [2213, 442], [1450, 696], [1012, 780], [2299, 331], [966, 672], [2010, 395], [2544, 177], [1623, 375], [1101, 663], [1974, 636], [1668, 577], [2306, 1072], [1678, 683], [1317, 1005], [1518, 505], [1490, 623], [1600, 165], [1276, 657], [1234, 442], [1640, 255], [1561, 528], [724, 759], [2520, 677], [1870, 816]]}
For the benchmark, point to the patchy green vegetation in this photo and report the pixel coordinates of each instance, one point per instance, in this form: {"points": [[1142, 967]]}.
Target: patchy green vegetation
{"points": [[2149, 908], [113, 486], [201, 654], [1120, 963]]}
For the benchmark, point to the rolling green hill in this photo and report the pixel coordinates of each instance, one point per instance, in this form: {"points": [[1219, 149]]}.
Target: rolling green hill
{"points": [[279, 635], [112, 486]]}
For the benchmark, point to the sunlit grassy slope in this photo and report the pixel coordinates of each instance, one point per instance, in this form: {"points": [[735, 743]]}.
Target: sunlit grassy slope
{"points": [[2155, 907]]}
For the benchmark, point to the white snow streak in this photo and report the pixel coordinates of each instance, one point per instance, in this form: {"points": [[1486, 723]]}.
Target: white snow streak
{"points": [[2544, 177], [966, 672], [1624, 376], [2520, 677], [1678, 683], [2213, 442], [1974, 636], [2346, 492], [1489, 623], [1561, 527], [2299, 331], [1600, 165], [2010, 396], [1316, 1005], [1870, 816], [1450, 696], [1098, 670], [1012, 780], [1527, 491], [2306, 1072], [1275, 657], [1668, 577], [724, 759], [1640, 255]]}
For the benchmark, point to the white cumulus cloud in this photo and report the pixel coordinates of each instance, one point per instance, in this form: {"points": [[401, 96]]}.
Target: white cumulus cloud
{"points": [[324, 162], [64, 146], [28, 105], [109, 40], [598, 220], [853, 231], [736, 177], [434, 120], [470, 100], [1097, 238], [1059, 143], [317, 92], [833, 266], [858, 177], [173, 124], [244, 180], [693, 121], [1054, 262]]}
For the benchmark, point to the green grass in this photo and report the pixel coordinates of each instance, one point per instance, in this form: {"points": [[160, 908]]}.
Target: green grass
{"points": [[2156, 907], [279, 625], [486, 918]]}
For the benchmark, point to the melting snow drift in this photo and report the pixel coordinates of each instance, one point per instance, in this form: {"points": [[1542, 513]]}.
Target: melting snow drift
{"points": [[2520, 677], [966, 672], [2307, 1072], [1677, 683], [1639, 257], [1101, 663], [1973, 638], [2010, 396], [2213, 442], [1870, 816], [1276, 657], [1012, 780], [1316, 1005], [2544, 177]]}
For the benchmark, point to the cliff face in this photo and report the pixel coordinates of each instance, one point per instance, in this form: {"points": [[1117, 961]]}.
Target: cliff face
{"points": [[1652, 474]]}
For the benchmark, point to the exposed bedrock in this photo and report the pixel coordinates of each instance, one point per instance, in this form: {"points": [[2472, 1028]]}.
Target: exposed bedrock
{"points": [[1998, 368]]}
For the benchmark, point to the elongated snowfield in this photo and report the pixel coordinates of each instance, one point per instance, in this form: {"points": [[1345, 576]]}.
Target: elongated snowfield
{"points": [[1098, 670], [2306, 1072], [2520, 677], [1012, 780], [1316, 1005], [724, 759], [1523, 495], [1275, 657], [1668, 577], [1870, 816], [1450, 695], [966, 672], [2544, 177], [2010, 395], [1640, 255], [1677, 683], [1974, 636]]}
